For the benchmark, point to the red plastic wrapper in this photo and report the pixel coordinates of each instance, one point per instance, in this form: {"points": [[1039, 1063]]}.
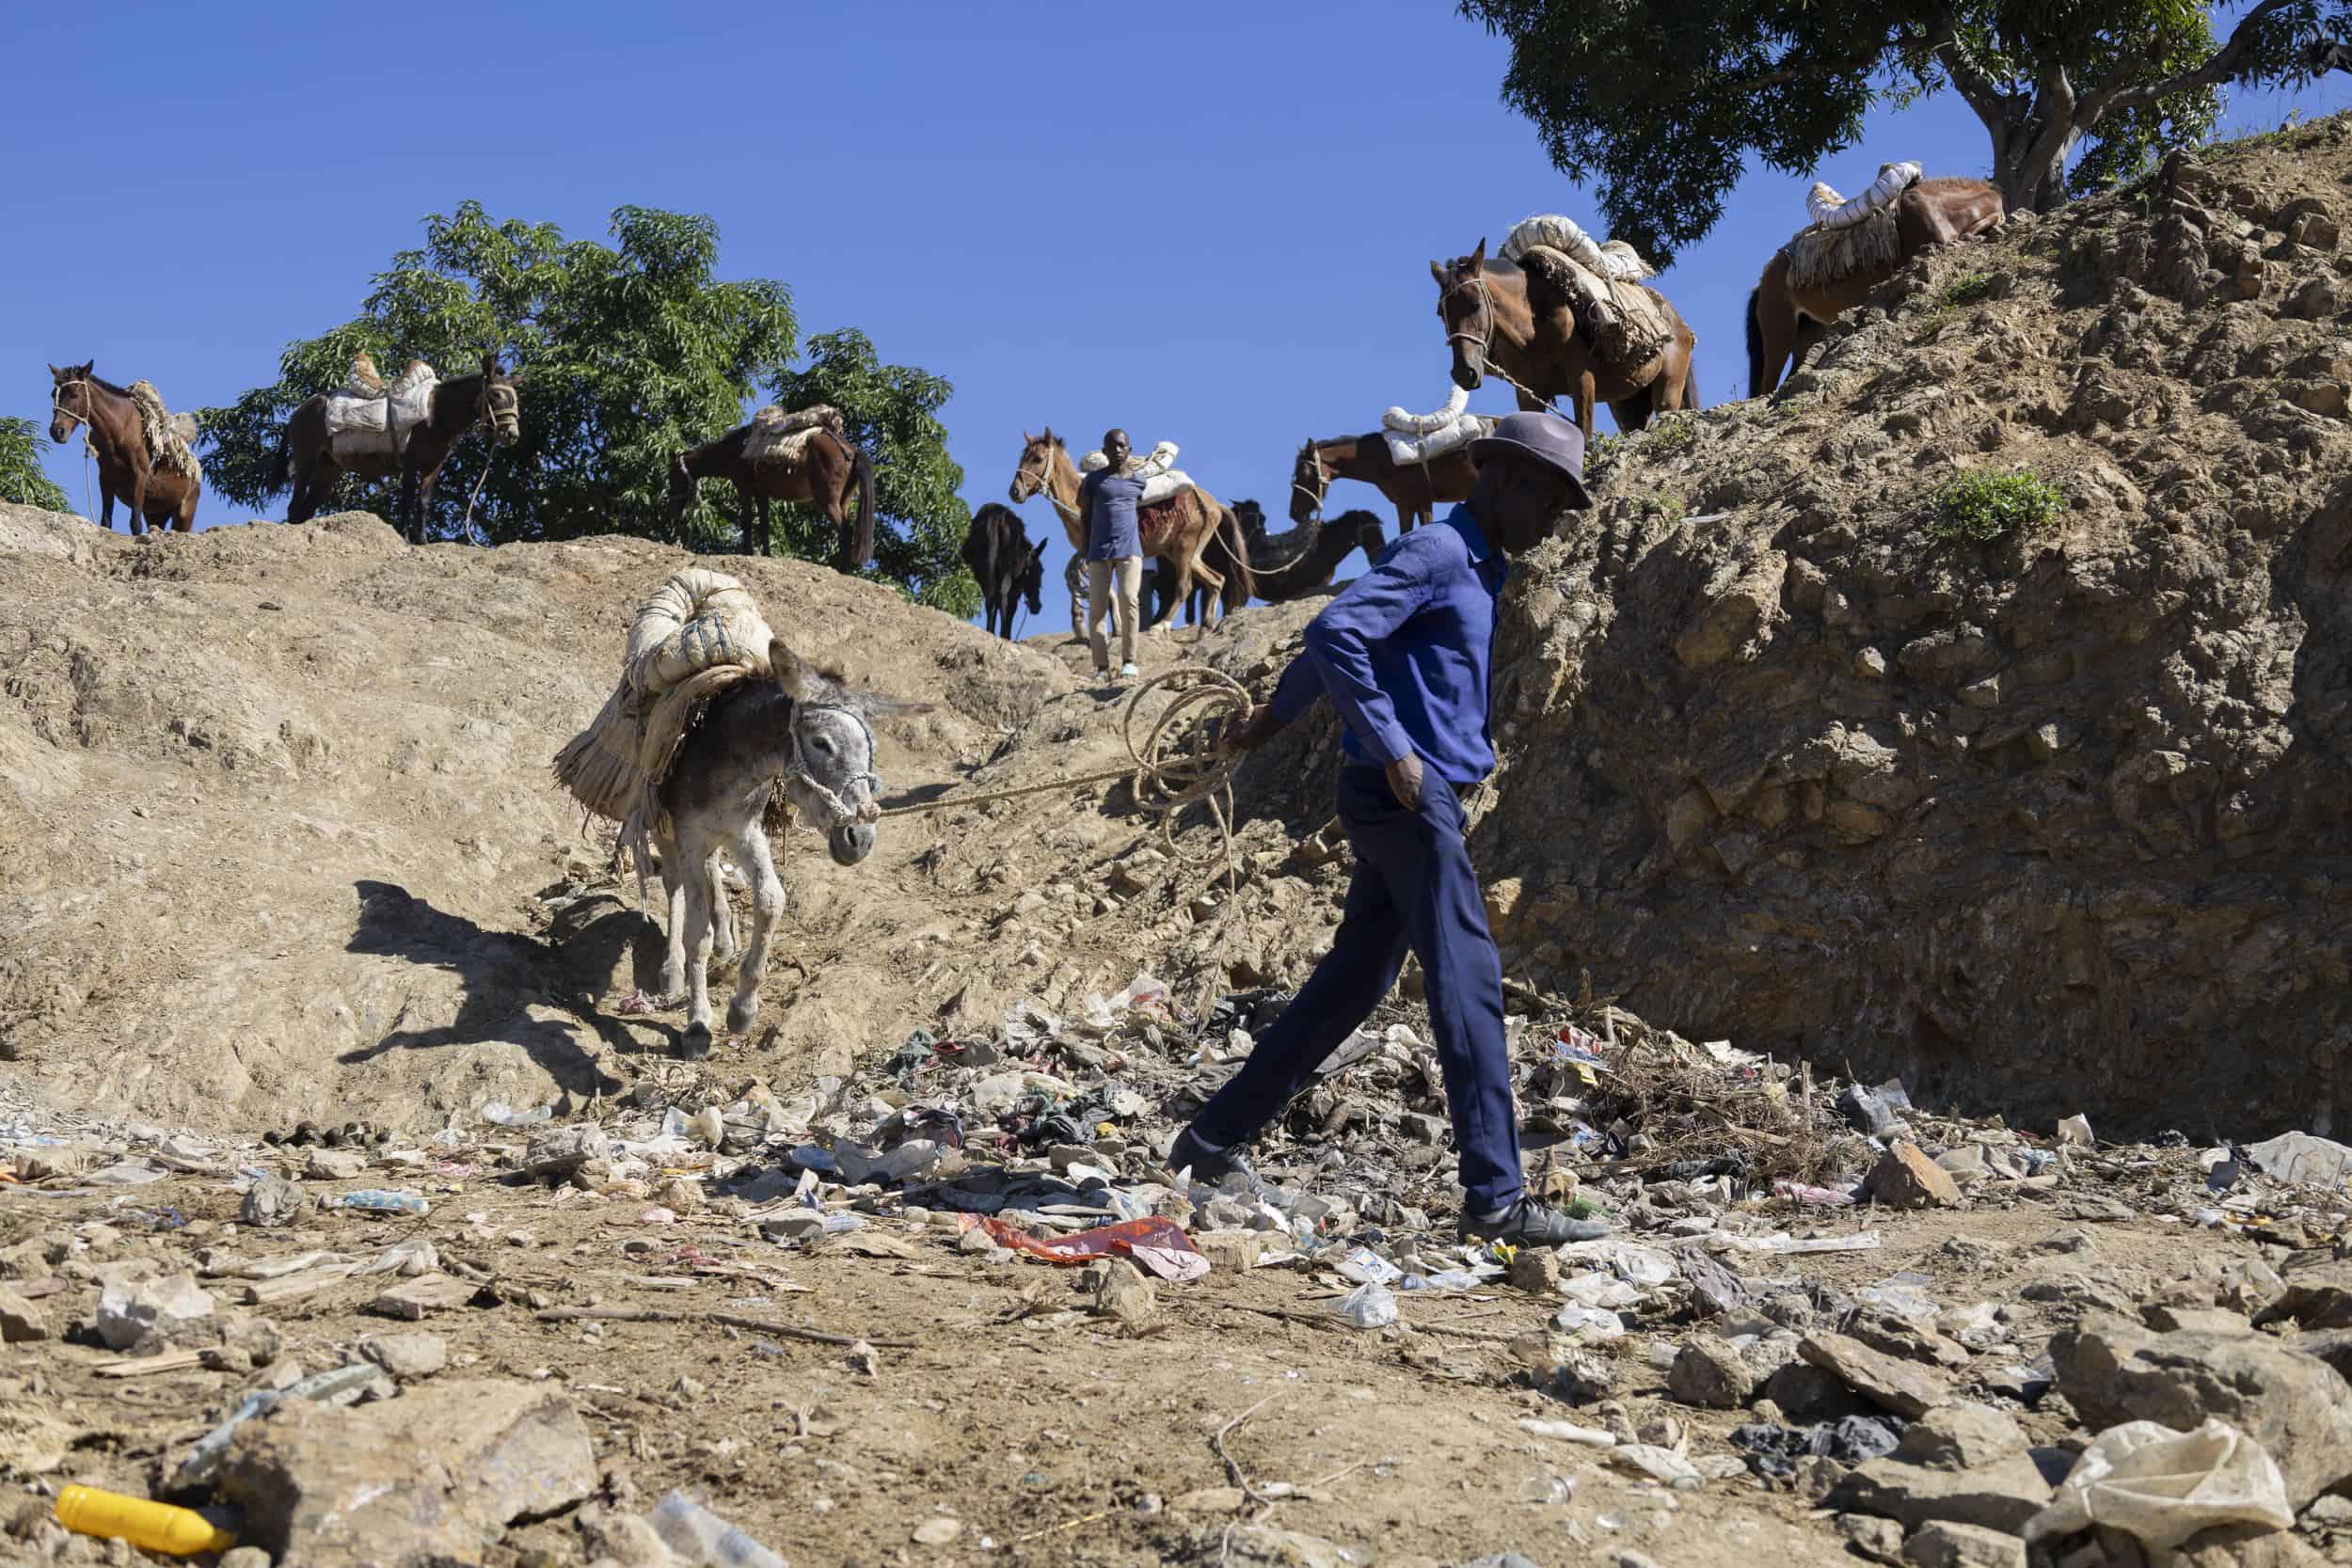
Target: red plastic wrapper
{"points": [[1158, 1245]]}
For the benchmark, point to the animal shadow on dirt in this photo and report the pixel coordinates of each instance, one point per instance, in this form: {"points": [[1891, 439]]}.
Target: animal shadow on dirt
{"points": [[501, 972]]}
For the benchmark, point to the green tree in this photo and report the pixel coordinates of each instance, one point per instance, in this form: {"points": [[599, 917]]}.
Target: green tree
{"points": [[22, 481], [1663, 102], [631, 352]]}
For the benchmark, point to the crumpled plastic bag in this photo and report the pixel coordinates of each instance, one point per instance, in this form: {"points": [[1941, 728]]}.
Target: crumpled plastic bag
{"points": [[2164, 1486]]}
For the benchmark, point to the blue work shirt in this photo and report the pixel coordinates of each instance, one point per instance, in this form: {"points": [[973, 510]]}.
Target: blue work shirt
{"points": [[1406, 653], [1108, 502]]}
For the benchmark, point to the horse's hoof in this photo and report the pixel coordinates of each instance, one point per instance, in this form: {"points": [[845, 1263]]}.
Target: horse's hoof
{"points": [[695, 1041], [741, 1014]]}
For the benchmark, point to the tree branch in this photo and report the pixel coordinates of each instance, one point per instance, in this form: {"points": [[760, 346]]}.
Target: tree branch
{"points": [[2056, 112], [1973, 87], [2219, 68]]}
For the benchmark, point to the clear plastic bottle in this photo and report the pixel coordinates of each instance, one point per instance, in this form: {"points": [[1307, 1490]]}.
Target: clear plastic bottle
{"points": [[699, 1536], [381, 1200]]}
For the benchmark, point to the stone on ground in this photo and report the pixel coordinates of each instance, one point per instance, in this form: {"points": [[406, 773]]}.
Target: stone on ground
{"points": [[21, 1319], [1709, 1373], [406, 1356], [1946, 1544], [1885, 1381], [2001, 1495], [1960, 1436], [1905, 1177], [432, 1476], [159, 1311]]}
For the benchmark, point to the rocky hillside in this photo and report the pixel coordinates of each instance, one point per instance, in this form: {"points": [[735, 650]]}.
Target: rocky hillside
{"points": [[2049, 821], [2043, 817]]}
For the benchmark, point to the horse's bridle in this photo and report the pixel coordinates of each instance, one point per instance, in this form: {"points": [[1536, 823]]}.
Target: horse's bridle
{"points": [[1487, 307], [1040, 482], [57, 406], [1322, 481]]}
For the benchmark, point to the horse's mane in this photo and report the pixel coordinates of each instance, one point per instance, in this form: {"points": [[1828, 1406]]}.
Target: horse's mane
{"points": [[105, 386], [994, 512]]}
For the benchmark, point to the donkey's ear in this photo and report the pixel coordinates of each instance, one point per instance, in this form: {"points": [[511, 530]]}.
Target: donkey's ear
{"points": [[1478, 257], [801, 681], [875, 706], [1437, 272]]}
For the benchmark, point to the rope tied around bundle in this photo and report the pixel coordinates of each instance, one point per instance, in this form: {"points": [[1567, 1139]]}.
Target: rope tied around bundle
{"points": [[1180, 761]]}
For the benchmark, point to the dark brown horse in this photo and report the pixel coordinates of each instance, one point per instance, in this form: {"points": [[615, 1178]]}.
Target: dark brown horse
{"points": [[1006, 564], [1294, 564], [307, 458], [156, 495], [1413, 488], [830, 473], [1523, 327], [1785, 322]]}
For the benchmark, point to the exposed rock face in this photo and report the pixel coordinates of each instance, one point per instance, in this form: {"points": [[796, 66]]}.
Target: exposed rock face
{"points": [[2055, 822]]}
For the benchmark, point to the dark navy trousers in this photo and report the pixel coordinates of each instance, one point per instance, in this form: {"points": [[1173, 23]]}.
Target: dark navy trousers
{"points": [[1413, 891]]}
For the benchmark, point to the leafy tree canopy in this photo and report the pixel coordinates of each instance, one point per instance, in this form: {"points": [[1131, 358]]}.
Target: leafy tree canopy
{"points": [[1662, 102], [21, 480], [632, 352]]}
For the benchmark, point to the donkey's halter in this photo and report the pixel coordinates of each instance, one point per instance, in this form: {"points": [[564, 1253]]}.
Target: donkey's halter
{"points": [[843, 812]]}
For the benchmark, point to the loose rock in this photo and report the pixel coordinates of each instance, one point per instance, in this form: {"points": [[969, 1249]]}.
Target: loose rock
{"points": [[1709, 1373], [1906, 1178], [1883, 1380], [1944, 1544]]}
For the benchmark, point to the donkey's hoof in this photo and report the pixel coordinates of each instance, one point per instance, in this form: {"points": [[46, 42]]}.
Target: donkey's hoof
{"points": [[740, 1013], [695, 1041]]}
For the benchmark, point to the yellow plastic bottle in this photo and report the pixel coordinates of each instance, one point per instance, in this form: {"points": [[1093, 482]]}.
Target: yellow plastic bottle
{"points": [[151, 1526]]}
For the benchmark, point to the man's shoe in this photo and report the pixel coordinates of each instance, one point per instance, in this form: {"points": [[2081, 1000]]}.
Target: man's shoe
{"points": [[1528, 1223], [1211, 1166], [1128, 671]]}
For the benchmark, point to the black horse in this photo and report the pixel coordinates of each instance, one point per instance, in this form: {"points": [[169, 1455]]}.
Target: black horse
{"points": [[1004, 563]]}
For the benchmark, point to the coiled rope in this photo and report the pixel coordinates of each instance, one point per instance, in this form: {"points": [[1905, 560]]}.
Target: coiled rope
{"points": [[1179, 761]]}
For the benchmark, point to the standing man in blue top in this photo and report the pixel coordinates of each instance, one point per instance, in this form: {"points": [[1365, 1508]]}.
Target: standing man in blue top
{"points": [[1108, 498], [1405, 655]]}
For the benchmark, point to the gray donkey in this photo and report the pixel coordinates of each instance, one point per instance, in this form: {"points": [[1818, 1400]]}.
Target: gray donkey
{"points": [[808, 728]]}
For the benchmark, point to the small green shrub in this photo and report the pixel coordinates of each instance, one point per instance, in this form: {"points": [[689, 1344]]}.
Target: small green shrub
{"points": [[1969, 289], [1670, 434], [1981, 506], [21, 480], [1667, 506]]}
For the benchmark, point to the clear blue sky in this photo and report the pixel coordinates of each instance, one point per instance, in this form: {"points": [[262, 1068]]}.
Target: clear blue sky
{"points": [[1210, 224]]}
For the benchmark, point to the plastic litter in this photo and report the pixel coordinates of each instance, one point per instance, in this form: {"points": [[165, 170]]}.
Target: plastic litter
{"points": [[1590, 1322], [1569, 1432], [203, 1461], [1364, 1266], [1158, 1245], [701, 1537], [380, 1201], [1797, 1192], [2299, 1156], [1773, 1450], [151, 1526], [2075, 1132], [503, 1114], [1366, 1307], [1876, 1113], [2164, 1486]]}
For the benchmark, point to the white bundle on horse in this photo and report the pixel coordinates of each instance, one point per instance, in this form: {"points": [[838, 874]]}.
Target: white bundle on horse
{"points": [[1160, 478], [1423, 438], [700, 633], [1831, 211], [365, 416], [782, 438], [1615, 260], [166, 445]]}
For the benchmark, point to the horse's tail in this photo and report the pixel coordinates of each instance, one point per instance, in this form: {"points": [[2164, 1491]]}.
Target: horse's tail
{"points": [[1691, 386], [1241, 585], [862, 469], [1756, 342]]}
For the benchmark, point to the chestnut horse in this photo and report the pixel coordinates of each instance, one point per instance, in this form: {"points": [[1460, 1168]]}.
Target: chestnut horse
{"points": [[1178, 529], [1784, 321], [161, 496], [1414, 489], [1523, 328], [307, 458], [831, 472]]}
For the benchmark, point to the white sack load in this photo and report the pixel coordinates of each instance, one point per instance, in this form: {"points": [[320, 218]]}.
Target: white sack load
{"points": [[1832, 211], [1616, 260], [1162, 479], [366, 417], [1424, 437], [782, 438]]}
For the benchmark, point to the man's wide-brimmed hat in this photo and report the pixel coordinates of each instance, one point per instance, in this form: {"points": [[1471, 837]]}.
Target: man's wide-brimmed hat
{"points": [[1546, 438]]}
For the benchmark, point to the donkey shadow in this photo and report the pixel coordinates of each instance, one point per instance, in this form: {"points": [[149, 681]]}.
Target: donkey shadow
{"points": [[502, 972]]}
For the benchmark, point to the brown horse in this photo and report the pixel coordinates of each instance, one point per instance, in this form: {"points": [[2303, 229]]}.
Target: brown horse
{"points": [[160, 496], [1785, 322], [831, 472], [1414, 489], [1522, 326], [1178, 529], [307, 458]]}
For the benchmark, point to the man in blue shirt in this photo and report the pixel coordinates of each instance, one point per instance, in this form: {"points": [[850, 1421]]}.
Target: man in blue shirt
{"points": [[1405, 655], [1108, 498]]}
